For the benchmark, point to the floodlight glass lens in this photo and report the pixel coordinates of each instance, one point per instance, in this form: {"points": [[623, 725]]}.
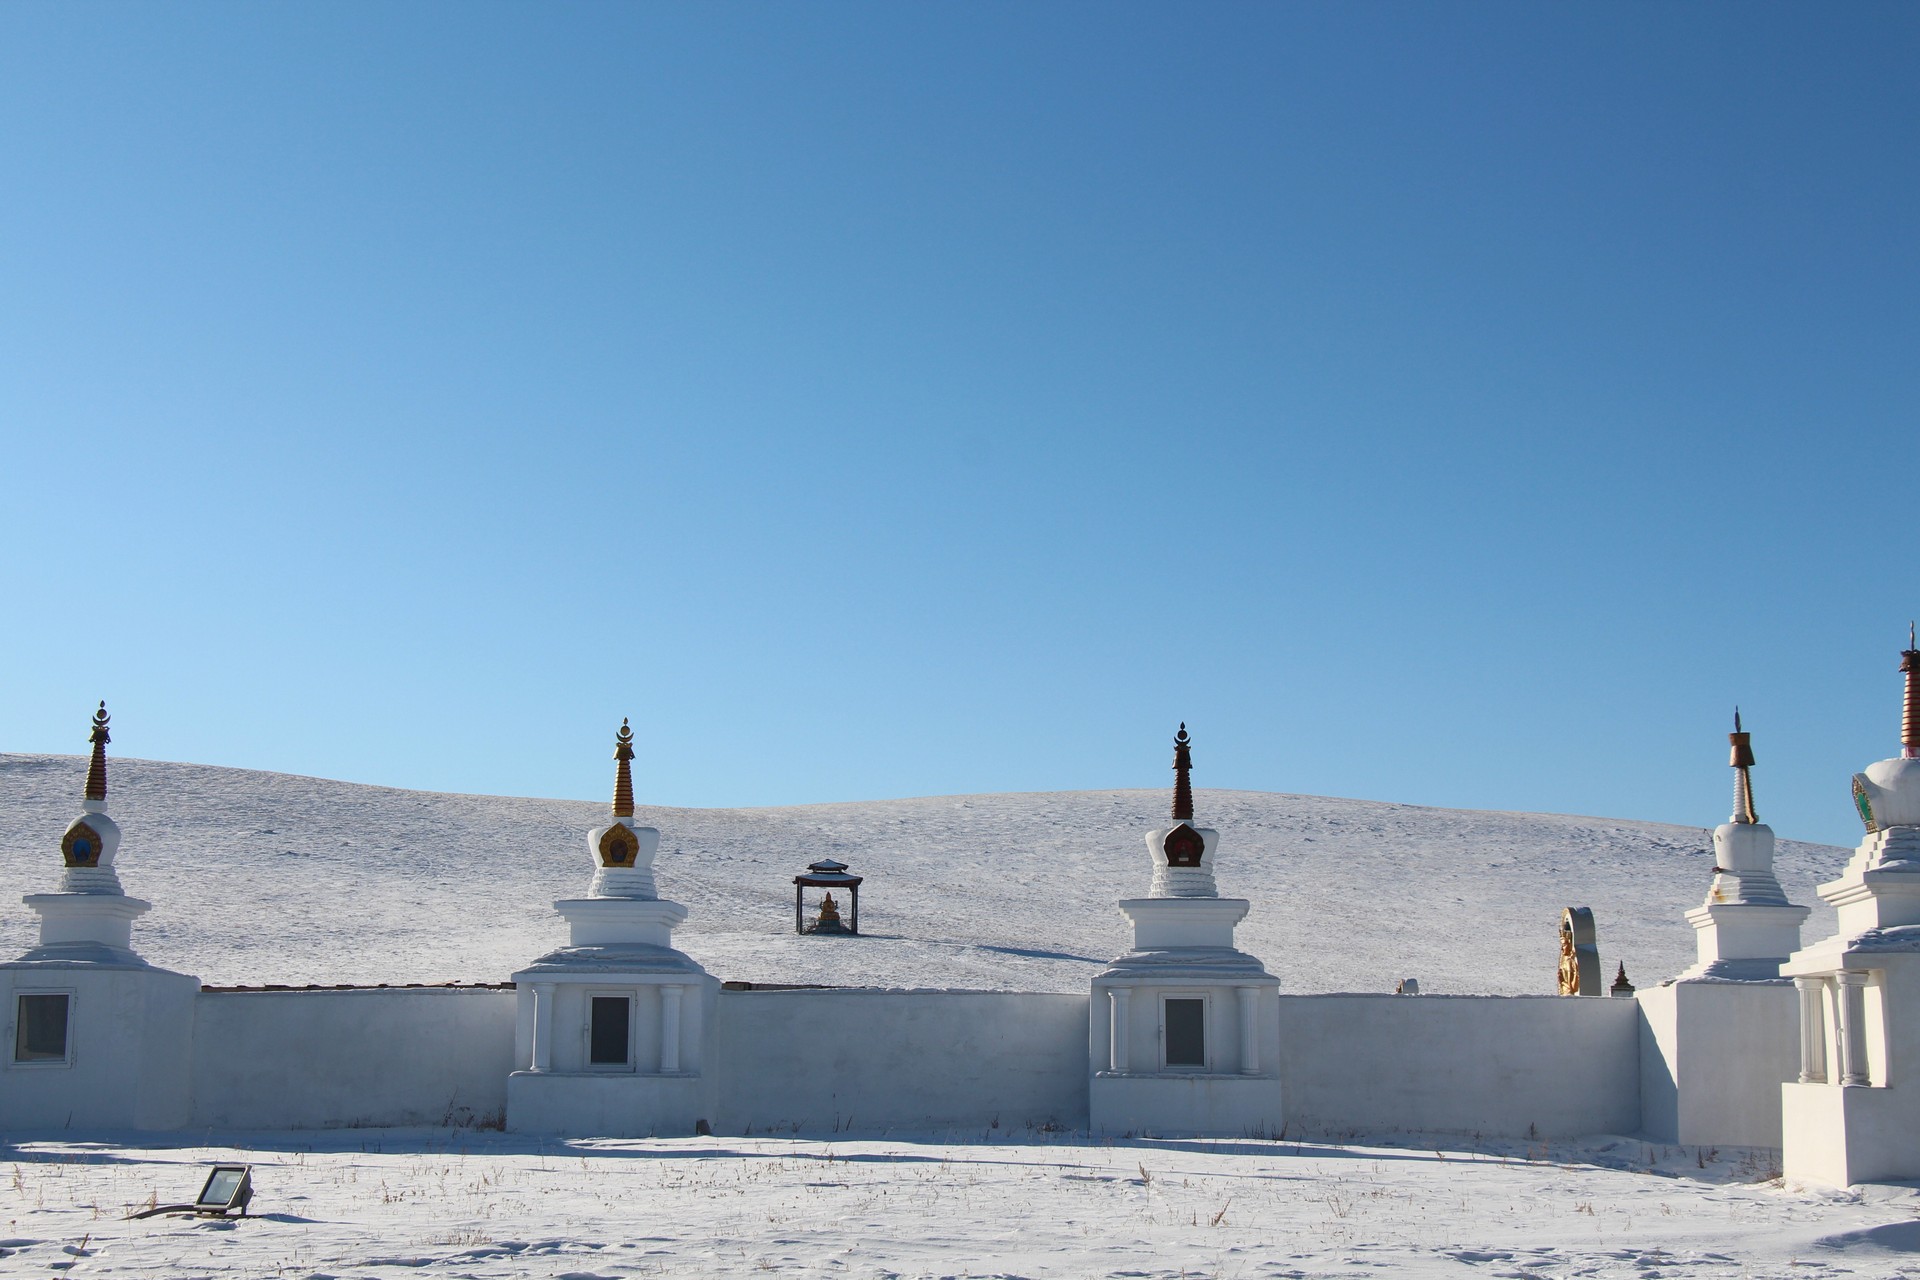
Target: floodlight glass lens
{"points": [[221, 1186]]}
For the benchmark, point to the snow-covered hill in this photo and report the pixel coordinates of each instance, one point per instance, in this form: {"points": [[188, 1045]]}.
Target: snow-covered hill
{"points": [[264, 877]]}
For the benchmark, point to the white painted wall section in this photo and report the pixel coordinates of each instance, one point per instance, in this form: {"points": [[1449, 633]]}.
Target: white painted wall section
{"points": [[130, 1037], [369, 1056], [868, 1059], [1713, 1056], [1496, 1065]]}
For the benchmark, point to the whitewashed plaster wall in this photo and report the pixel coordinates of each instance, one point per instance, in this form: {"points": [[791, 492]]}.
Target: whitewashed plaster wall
{"points": [[1713, 1056], [870, 1059], [130, 1049], [1498, 1065], [319, 1059]]}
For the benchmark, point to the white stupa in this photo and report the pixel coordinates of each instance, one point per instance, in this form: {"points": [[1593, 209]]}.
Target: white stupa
{"points": [[95, 1030], [623, 909], [612, 1029], [1722, 1030], [90, 918], [1746, 928], [1854, 1114], [1185, 1034]]}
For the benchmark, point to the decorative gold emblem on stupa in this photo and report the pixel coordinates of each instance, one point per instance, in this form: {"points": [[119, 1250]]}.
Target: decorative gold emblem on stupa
{"points": [[618, 847], [82, 845]]}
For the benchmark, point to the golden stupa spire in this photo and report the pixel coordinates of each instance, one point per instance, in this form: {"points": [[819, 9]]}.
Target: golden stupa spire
{"points": [[97, 767], [623, 780], [1742, 784], [1910, 709], [1182, 782]]}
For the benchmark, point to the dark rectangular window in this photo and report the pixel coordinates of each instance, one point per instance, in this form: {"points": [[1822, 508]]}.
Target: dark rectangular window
{"points": [[1186, 1033], [607, 1041], [40, 1032]]}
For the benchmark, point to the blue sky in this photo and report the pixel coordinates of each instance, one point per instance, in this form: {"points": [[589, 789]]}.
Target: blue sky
{"points": [[1452, 404]]}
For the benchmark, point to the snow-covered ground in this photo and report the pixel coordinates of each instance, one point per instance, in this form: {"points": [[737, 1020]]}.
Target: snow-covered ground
{"points": [[262, 877], [389, 1204]]}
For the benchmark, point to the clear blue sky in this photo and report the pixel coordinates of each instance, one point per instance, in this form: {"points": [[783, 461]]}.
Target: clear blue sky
{"points": [[1456, 404]]}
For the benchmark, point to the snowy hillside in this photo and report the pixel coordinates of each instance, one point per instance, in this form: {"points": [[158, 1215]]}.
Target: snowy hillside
{"points": [[263, 877]]}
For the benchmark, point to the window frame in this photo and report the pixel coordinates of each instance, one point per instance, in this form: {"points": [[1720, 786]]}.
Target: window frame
{"points": [[14, 1060], [631, 997], [1205, 1001]]}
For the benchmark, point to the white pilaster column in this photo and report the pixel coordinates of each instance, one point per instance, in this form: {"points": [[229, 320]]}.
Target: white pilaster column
{"points": [[1119, 1050], [1249, 1030], [543, 1026], [670, 1027], [1852, 994], [693, 1029], [1813, 1029]]}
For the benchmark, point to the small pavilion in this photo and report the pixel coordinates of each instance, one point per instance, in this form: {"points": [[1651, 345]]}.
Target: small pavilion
{"points": [[827, 875]]}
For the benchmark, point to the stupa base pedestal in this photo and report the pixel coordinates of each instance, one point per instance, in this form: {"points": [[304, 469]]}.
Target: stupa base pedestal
{"points": [[609, 1104], [1178, 1105]]}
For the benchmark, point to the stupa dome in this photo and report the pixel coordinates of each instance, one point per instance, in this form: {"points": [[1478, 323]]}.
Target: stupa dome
{"points": [[1888, 794]]}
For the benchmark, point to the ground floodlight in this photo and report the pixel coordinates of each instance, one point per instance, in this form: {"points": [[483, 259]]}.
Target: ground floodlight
{"points": [[229, 1187]]}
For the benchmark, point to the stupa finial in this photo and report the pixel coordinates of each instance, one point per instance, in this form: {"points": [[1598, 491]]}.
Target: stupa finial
{"points": [[97, 767], [1182, 781], [1742, 784], [623, 778], [1910, 710]]}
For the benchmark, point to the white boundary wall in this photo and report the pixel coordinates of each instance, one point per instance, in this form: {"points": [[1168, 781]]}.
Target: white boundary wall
{"points": [[1551, 1066], [866, 1059], [358, 1057], [870, 1059]]}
